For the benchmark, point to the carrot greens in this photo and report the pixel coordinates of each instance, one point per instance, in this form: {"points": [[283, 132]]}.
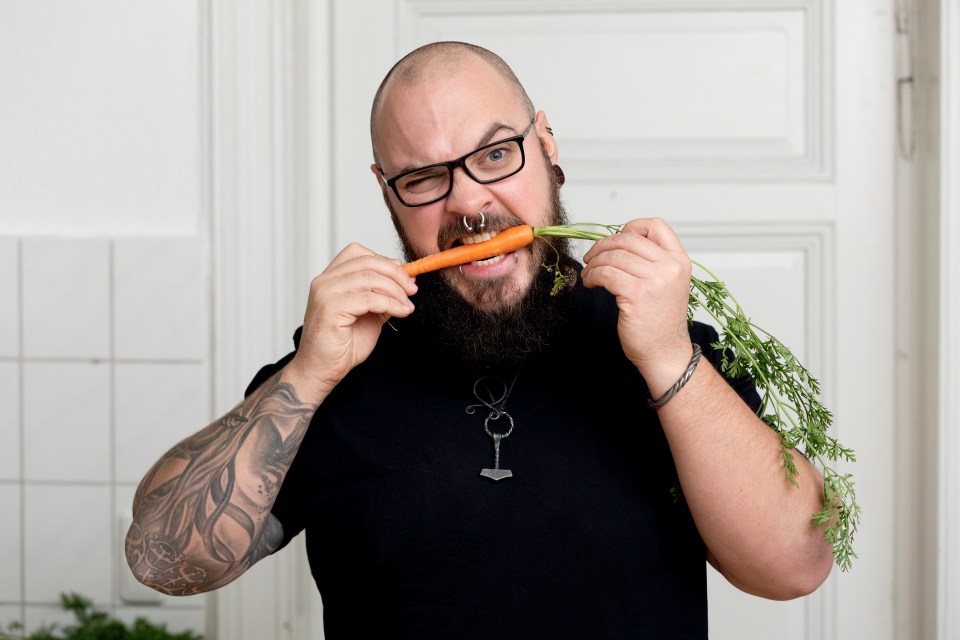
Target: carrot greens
{"points": [[789, 394]]}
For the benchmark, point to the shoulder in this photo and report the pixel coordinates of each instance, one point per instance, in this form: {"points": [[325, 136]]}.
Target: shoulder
{"points": [[266, 372]]}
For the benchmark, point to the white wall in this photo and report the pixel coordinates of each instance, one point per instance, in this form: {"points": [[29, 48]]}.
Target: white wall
{"points": [[99, 117], [104, 303]]}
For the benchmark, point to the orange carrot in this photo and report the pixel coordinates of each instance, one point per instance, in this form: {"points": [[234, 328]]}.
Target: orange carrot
{"points": [[504, 242]]}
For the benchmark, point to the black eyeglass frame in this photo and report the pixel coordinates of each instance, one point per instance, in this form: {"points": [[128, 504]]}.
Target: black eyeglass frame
{"points": [[462, 162]]}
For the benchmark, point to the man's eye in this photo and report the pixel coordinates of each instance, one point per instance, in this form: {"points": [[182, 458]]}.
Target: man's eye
{"points": [[422, 183]]}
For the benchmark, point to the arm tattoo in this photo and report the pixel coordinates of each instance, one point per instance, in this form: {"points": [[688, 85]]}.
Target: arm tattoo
{"points": [[216, 509]]}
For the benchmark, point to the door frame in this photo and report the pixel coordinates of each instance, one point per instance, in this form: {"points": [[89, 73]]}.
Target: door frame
{"points": [[948, 529], [264, 206]]}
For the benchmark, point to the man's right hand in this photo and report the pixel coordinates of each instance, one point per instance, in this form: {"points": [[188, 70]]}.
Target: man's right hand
{"points": [[348, 304]]}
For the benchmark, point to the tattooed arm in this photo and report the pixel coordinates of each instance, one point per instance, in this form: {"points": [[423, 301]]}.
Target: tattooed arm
{"points": [[202, 513], [201, 516]]}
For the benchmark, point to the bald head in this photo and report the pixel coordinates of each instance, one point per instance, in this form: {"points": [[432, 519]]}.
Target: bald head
{"points": [[439, 60]]}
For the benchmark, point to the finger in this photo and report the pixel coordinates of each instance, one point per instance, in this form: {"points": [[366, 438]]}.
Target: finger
{"points": [[350, 252], [362, 303], [617, 267], [364, 260], [657, 230], [652, 230], [619, 246], [345, 288], [619, 280], [645, 275]]}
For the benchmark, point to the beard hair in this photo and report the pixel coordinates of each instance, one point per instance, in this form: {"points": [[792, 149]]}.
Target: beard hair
{"points": [[505, 335]]}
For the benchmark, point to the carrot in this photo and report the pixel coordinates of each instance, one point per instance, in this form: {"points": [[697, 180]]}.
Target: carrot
{"points": [[504, 242]]}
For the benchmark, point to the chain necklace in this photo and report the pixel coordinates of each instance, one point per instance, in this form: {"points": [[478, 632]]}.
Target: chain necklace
{"points": [[492, 392]]}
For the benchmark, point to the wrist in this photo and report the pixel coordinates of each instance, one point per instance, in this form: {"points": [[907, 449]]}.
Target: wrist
{"points": [[309, 386], [671, 374]]}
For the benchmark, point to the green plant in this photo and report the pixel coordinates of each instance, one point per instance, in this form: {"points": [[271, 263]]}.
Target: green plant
{"points": [[95, 625]]}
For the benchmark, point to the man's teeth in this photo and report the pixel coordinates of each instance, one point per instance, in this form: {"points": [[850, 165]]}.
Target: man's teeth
{"points": [[478, 237], [488, 261]]}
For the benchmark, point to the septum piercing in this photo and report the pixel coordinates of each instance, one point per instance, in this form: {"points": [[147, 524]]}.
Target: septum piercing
{"points": [[469, 226]]}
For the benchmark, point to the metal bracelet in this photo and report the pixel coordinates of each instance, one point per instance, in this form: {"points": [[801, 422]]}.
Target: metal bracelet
{"points": [[672, 391]]}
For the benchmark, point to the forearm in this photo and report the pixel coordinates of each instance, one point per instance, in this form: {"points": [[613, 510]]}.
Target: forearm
{"points": [[200, 512], [755, 522]]}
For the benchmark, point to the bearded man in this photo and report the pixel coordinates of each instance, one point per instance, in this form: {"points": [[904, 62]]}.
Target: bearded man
{"points": [[487, 463]]}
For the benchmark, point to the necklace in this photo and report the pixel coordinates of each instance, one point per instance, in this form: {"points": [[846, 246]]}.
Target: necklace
{"points": [[492, 392]]}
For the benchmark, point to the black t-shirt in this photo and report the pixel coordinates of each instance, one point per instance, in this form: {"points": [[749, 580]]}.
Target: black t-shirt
{"points": [[588, 539]]}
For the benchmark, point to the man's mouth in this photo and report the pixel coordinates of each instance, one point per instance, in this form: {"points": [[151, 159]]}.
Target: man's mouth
{"points": [[473, 238]]}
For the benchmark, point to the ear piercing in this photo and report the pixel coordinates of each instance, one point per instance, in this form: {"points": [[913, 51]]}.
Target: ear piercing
{"points": [[558, 173]]}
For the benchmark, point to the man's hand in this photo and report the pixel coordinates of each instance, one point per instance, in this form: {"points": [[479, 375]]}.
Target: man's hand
{"points": [[347, 307], [648, 271]]}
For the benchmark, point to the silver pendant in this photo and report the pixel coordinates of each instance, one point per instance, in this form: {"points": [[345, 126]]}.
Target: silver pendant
{"points": [[496, 474]]}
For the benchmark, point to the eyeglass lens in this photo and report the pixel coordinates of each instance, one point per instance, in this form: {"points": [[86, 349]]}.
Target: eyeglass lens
{"points": [[487, 164]]}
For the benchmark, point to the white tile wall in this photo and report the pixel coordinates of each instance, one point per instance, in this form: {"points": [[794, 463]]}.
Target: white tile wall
{"points": [[66, 415], [157, 405], [10, 544], [123, 499], [160, 285], [102, 123], [9, 298], [66, 299], [68, 541], [9, 421], [109, 369]]}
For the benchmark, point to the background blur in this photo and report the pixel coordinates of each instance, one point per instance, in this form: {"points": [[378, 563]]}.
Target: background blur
{"points": [[173, 173]]}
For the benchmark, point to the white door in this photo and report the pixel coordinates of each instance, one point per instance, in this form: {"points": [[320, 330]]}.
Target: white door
{"points": [[763, 131]]}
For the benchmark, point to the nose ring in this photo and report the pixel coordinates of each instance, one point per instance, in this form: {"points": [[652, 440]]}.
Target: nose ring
{"points": [[469, 226]]}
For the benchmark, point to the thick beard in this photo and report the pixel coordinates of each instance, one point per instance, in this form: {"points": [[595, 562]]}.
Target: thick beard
{"points": [[504, 336]]}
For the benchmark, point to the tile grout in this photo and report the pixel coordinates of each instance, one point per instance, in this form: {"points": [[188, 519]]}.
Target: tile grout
{"points": [[112, 394], [22, 420], [107, 360]]}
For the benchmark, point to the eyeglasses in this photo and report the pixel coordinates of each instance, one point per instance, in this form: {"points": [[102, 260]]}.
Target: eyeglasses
{"points": [[490, 163]]}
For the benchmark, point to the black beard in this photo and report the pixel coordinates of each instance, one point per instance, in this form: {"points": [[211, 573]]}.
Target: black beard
{"points": [[508, 335], [502, 337]]}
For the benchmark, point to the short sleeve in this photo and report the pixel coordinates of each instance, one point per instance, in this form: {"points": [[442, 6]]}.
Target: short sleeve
{"points": [[706, 336], [285, 507], [267, 371]]}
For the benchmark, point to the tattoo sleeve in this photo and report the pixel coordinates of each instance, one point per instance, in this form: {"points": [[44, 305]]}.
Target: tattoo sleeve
{"points": [[202, 512]]}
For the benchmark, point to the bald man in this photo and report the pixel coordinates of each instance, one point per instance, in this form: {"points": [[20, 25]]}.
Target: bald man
{"points": [[489, 464]]}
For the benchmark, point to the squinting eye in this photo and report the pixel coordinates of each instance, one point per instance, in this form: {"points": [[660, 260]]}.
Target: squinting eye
{"points": [[419, 183], [496, 154]]}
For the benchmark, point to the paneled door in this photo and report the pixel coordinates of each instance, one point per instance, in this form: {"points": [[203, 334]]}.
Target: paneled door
{"points": [[763, 131]]}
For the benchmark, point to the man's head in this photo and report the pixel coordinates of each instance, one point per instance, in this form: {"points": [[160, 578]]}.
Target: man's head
{"points": [[424, 64], [442, 102]]}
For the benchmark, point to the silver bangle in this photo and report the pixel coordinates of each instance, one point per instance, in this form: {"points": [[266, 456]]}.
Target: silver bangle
{"points": [[672, 391]]}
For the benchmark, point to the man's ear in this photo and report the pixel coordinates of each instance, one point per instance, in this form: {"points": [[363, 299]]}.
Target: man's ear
{"points": [[379, 177], [384, 189], [546, 136]]}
